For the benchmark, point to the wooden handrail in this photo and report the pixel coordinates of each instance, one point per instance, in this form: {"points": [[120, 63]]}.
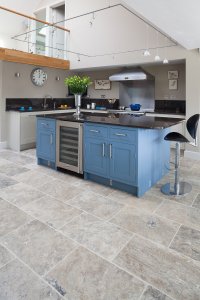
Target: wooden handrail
{"points": [[32, 18], [21, 57]]}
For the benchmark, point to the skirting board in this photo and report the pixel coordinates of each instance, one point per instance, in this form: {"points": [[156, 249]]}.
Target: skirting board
{"points": [[3, 145], [192, 155]]}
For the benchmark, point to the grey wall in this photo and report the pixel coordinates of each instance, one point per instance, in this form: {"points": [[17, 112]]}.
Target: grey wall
{"points": [[162, 91], [160, 72], [22, 87], [103, 74]]}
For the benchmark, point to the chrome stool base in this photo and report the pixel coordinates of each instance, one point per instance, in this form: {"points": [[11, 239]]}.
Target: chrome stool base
{"points": [[182, 188]]}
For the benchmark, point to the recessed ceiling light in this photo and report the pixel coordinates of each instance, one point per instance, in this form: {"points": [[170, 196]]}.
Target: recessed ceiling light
{"points": [[146, 53], [157, 58], [165, 61]]}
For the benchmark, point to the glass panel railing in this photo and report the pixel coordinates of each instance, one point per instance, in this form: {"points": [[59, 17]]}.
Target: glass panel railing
{"points": [[32, 36]]}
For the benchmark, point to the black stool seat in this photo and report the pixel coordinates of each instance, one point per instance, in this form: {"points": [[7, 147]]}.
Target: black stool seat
{"points": [[179, 187], [176, 137]]}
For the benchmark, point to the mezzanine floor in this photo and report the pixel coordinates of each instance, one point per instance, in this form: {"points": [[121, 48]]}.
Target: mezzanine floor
{"points": [[65, 238]]}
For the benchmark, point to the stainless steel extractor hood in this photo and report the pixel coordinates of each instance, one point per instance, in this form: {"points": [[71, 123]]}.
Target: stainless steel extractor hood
{"points": [[131, 74]]}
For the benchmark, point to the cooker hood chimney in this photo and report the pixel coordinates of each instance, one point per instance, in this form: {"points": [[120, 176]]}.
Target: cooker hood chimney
{"points": [[132, 74]]}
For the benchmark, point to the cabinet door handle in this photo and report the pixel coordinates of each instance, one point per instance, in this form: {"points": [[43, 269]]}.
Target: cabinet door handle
{"points": [[120, 134], [51, 139], [93, 130], [103, 150], [45, 124], [110, 146]]}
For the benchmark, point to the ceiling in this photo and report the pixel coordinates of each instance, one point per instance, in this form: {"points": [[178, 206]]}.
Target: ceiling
{"points": [[179, 19]]}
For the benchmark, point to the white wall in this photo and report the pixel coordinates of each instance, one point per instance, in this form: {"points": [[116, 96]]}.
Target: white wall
{"points": [[23, 88]]}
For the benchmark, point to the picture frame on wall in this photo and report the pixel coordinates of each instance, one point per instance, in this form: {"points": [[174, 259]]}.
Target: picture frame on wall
{"points": [[173, 84], [173, 74], [100, 84]]}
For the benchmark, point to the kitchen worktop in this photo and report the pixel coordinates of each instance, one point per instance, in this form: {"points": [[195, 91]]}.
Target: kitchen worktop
{"points": [[135, 121]]}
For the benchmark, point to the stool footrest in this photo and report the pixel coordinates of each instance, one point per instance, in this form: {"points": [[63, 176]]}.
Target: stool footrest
{"points": [[182, 188]]}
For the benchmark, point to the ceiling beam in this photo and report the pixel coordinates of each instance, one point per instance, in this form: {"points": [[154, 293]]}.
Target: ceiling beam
{"points": [[33, 59]]}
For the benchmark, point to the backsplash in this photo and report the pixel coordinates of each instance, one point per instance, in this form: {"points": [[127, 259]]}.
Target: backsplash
{"points": [[170, 106], [37, 103]]}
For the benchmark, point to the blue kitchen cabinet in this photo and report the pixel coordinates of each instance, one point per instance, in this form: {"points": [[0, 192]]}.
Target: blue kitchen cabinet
{"points": [[130, 159], [95, 156], [123, 163], [46, 141]]}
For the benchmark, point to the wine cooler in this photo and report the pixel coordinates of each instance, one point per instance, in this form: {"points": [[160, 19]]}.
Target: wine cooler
{"points": [[69, 143]]}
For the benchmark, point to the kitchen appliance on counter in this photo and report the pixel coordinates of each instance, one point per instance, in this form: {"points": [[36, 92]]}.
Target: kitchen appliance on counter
{"points": [[69, 146]]}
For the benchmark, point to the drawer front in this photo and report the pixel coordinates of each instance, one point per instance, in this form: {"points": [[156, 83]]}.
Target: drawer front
{"points": [[46, 124], [95, 131], [120, 134]]}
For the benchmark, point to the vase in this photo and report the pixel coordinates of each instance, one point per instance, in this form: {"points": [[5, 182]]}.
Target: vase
{"points": [[78, 105]]}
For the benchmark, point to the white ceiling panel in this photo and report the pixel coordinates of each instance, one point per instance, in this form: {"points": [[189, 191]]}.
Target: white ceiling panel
{"points": [[179, 19]]}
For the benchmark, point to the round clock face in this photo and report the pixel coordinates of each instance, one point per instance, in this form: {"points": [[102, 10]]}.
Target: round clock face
{"points": [[38, 77]]}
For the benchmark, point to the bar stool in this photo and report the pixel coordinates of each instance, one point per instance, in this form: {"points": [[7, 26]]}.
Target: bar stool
{"points": [[181, 188]]}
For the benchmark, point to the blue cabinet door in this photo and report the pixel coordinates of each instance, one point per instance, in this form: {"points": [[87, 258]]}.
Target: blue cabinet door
{"points": [[95, 157], [45, 145], [123, 162], [46, 139]]}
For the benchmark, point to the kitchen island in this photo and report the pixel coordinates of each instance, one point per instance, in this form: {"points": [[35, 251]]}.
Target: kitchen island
{"points": [[127, 152]]}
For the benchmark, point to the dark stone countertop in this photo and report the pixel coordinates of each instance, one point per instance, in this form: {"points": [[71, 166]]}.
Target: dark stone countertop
{"points": [[134, 121]]}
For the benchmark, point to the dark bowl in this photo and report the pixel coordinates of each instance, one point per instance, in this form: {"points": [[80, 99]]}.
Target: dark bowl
{"points": [[135, 107]]}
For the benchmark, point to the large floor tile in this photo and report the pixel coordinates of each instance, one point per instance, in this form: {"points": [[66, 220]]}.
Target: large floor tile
{"points": [[5, 257], [95, 204], [17, 282], [11, 169], [11, 217], [85, 276], [17, 158], [20, 194], [149, 201], [101, 237], [55, 213], [184, 199], [150, 226], [34, 178], [189, 216], [29, 152], [95, 187], [153, 294], [6, 181], [187, 241], [169, 272], [38, 246], [73, 179], [61, 190], [197, 202]]}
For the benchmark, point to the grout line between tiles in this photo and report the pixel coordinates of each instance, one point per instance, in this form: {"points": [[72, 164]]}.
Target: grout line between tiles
{"points": [[60, 261], [174, 236], [159, 205], [133, 233], [8, 261], [194, 200], [35, 273]]}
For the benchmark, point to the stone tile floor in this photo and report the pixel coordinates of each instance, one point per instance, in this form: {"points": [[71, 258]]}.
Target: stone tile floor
{"points": [[65, 238]]}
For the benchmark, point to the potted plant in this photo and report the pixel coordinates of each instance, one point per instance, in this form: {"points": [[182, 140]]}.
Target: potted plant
{"points": [[77, 86]]}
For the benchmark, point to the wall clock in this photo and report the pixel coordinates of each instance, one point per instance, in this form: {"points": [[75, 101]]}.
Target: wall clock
{"points": [[38, 77]]}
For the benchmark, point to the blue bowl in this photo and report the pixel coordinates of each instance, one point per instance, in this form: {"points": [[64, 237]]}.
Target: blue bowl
{"points": [[135, 107]]}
